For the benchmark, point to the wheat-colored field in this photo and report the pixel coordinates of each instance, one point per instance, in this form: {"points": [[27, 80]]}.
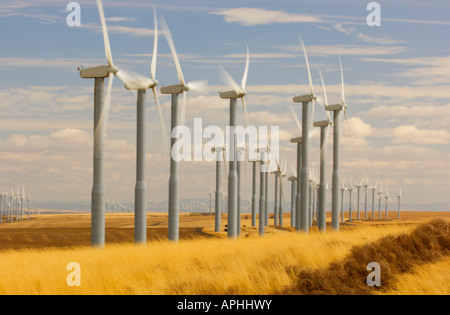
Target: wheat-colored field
{"points": [[202, 263]]}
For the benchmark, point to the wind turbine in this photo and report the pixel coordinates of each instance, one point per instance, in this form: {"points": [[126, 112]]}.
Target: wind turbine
{"points": [[366, 186], [280, 207], [29, 205], [343, 189], [380, 196], [141, 86], [240, 159], [233, 95], [350, 190], [304, 175], [399, 200], [336, 109], [276, 203], [177, 119], [102, 105], [1, 206], [358, 187], [220, 158], [262, 191], [253, 199], [387, 197], [293, 180], [373, 188], [323, 125]]}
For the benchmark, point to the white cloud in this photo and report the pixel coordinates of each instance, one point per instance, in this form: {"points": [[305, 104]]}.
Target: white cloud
{"points": [[257, 16], [379, 40], [411, 134]]}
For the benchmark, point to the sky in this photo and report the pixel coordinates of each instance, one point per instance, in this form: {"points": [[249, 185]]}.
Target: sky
{"points": [[396, 83]]}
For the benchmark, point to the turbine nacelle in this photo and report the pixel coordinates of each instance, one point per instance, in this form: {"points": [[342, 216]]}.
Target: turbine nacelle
{"points": [[297, 140], [292, 178], [336, 107], [141, 84], [96, 72], [175, 89], [323, 123], [305, 98], [232, 94]]}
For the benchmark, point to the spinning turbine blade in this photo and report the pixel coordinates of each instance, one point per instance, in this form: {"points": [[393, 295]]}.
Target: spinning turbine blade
{"points": [[342, 80], [199, 86], [228, 79], [244, 78], [105, 33], [161, 120], [324, 95], [172, 49], [155, 46], [307, 65], [295, 116]]}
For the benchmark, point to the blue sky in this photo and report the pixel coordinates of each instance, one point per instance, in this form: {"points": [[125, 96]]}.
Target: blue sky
{"points": [[396, 76]]}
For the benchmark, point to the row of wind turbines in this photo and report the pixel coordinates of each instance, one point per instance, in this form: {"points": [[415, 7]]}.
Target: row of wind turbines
{"points": [[139, 83], [12, 205]]}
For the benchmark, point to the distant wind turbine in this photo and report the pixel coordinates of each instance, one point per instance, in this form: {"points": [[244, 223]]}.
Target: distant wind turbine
{"points": [[399, 200], [343, 189]]}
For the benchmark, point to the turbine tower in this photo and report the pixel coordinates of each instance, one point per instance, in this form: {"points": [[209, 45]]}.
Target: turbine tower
{"points": [[380, 196], [141, 86], [358, 187], [399, 200], [373, 188], [387, 197], [336, 109], [177, 120], [350, 190], [293, 180], [254, 178], [298, 141], [343, 189], [366, 187], [304, 175], [262, 191], [233, 95], [220, 158]]}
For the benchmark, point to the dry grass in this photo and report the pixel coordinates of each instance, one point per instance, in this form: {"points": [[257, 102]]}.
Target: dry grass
{"points": [[200, 266]]}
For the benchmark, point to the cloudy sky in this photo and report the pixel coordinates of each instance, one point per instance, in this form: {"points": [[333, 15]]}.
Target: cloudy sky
{"points": [[396, 79]]}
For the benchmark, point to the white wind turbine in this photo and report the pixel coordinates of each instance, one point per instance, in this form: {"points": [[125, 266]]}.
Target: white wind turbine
{"points": [[306, 126], [358, 187], [373, 188], [336, 109], [350, 206], [399, 196], [177, 120], [366, 187], [343, 190], [387, 197], [293, 180], [233, 95], [380, 196]]}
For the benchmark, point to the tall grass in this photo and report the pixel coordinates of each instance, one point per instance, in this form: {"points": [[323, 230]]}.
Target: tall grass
{"points": [[196, 267]]}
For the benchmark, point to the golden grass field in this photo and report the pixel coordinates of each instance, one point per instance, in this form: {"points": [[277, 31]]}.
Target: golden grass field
{"points": [[34, 255]]}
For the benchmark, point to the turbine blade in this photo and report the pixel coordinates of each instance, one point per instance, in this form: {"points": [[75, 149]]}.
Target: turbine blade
{"points": [[325, 94], [172, 49], [247, 64], [161, 121], [132, 79], [295, 116], [324, 147], [155, 45], [307, 65], [100, 131], [342, 80], [228, 79], [199, 86], [105, 33]]}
